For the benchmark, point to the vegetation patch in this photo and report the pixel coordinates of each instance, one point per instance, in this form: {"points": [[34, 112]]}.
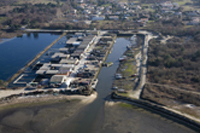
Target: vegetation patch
{"points": [[126, 105], [129, 68], [35, 102]]}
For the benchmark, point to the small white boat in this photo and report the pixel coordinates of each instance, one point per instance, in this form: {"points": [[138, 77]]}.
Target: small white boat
{"points": [[133, 38], [94, 83]]}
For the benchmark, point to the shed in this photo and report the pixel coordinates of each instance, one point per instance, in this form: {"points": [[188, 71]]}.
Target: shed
{"points": [[58, 56], [76, 55], [58, 79], [64, 50], [68, 65], [80, 38], [64, 71], [45, 66], [52, 72], [79, 34], [40, 72], [71, 41], [77, 43], [69, 61]]}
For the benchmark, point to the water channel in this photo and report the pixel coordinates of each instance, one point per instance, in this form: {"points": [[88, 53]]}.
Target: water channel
{"points": [[91, 118], [88, 116]]}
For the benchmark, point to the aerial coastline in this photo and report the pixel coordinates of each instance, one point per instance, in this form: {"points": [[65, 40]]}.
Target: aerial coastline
{"points": [[113, 66]]}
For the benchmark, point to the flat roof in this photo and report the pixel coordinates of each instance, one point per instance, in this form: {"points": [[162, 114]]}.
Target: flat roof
{"points": [[44, 68], [63, 49], [71, 40], [68, 61], [56, 65], [51, 71], [57, 78], [76, 43], [83, 46], [40, 71], [67, 65], [77, 33], [62, 65], [64, 70], [58, 54]]}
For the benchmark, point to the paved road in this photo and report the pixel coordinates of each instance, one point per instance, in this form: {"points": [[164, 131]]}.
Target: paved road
{"points": [[143, 57]]}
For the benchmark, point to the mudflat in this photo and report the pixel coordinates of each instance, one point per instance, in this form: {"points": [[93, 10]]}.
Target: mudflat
{"points": [[126, 118], [40, 114]]}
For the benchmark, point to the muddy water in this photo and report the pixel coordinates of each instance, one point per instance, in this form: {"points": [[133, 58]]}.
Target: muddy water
{"points": [[86, 119], [94, 116]]}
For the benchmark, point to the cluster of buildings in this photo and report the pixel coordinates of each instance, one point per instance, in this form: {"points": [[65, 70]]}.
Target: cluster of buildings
{"points": [[74, 66], [170, 9], [63, 63], [88, 11], [134, 12]]}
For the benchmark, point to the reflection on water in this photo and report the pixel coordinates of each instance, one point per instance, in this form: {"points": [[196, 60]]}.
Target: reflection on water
{"points": [[84, 122], [91, 118], [15, 53]]}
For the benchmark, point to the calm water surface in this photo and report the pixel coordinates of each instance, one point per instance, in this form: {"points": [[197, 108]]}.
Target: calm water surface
{"points": [[91, 118], [15, 53]]}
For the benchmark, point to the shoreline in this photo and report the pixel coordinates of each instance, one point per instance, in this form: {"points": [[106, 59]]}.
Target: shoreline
{"points": [[26, 101], [135, 94], [124, 111], [161, 110], [34, 100], [34, 59], [3, 40]]}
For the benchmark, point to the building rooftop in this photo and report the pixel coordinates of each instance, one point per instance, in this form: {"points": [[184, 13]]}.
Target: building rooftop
{"points": [[64, 70], [51, 72], [59, 55], [68, 61], [76, 43], [40, 72], [57, 78], [71, 41], [64, 50]]}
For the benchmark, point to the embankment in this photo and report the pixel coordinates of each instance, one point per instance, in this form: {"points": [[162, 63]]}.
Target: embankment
{"points": [[160, 110]]}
